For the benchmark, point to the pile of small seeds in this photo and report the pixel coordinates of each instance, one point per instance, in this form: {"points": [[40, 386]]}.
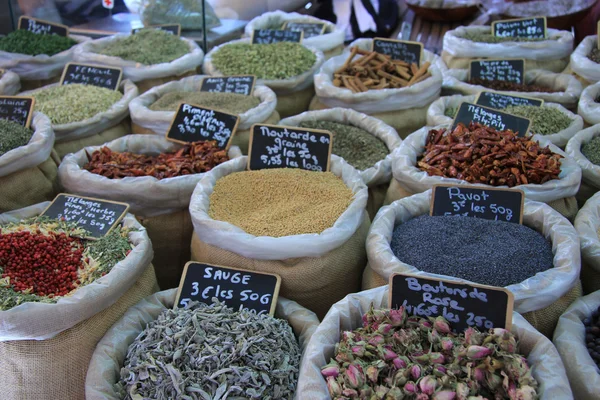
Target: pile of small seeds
{"points": [[65, 104], [148, 47], [591, 150], [24, 42], [229, 102], [358, 147], [488, 252], [280, 202], [594, 55], [280, 60], [544, 120], [13, 135], [212, 352], [592, 335], [510, 86], [490, 38]]}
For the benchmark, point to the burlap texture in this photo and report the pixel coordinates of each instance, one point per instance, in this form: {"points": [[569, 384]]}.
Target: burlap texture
{"points": [[145, 85], [376, 198], [37, 83], [30, 186], [73, 146], [315, 283], [294, 103], [336, 51], [55, 369]]}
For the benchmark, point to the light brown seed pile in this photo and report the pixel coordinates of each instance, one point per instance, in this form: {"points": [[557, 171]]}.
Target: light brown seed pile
{"points": [[280, 202]]}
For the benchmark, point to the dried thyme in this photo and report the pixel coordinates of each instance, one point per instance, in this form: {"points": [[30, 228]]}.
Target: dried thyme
{"points": [[591, 150], [13, 135], [22, 41], [109, 250], [544, 120], [229, 102], [148, 47], [211, 352]]}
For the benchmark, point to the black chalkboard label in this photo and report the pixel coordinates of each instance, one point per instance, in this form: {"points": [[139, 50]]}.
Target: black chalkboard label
{"points": [[175, 29], [533, 28], [490, 117], [462, 305], [235, 287], [498, 70], [17, 109], [266, 36], [243, 84], [478, 202], [96, 216], [194, 123], [402, 50], [273, 146], [310, 29], [500, 101], [42, 27], [95, 75]]}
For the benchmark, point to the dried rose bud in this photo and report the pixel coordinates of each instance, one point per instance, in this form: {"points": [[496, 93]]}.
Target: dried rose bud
{"points": [[447, 344], [352, 393], [358, 350], [440, 371], [400, 362], [422, 396], [437, 358], [394, 393], [397, 317], [331, 369], [493, 381], [334, 387], [462, 391], [444, 395], [441, 325], [384, 328], [428, 384], [472, 337], [478, 352], [387, 354], [400, 378], [372, 373], [425, 325], [410, 387], [381, 391], [526, 393], [415, 372], [366, 392], [355, 376], [376, 340]]}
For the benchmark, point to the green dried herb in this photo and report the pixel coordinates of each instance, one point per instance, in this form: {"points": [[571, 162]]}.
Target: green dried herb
{"points": [[490, 38], [13, 135], [358, 147], [595, 55], [267, 61], [108, 250], [230, 102], [65, 104], [544, 120], [148, 47], [24, 42], [450, 112], [591, 150]]}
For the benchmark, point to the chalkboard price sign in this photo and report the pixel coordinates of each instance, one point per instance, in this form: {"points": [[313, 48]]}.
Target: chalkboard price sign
{"points": [[42, 27], [17, 109], [243, 84], [533, 28], [310, 29], [235, 287], [175, 29], [500, 101], [273, 146], [463, 305], [194, 123], [498, 70], [96, 75], [266, 36], [402, 50], [96, 216], [490, 117], [478, 202]]}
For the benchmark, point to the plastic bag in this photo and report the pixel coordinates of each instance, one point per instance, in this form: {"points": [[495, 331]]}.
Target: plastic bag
{"points": [[581, 64], [105, 367], [587, 225], [10, 84], [551, 55], [346, 315], [187, 13], [38, 321], [588, 107], [569, 88]]}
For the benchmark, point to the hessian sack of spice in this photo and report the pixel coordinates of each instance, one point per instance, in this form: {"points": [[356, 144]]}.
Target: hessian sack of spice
{"points": [[10, 84], [587, 225], [590, 171]]}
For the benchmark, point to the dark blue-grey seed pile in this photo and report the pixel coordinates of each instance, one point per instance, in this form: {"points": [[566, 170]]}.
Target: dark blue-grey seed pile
{"points": [[488, 252]]}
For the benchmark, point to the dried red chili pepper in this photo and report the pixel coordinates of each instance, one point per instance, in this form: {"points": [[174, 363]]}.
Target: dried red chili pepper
{"points": [[510, 86]]}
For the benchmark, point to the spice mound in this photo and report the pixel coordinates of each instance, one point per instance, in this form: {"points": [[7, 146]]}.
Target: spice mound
{"points": [[43, 259], [496, 253], [22, 41], [65, 104], [490, 38], [148, 47], [212, 352], [357, 146], [510, 86], [229, 102], [592, 335], [375, 71], [544, 120], [591, 150], [594, 55], [394, 356], [280, 60], [192, 158], [13, 135], [280, 202], [479, 154]]}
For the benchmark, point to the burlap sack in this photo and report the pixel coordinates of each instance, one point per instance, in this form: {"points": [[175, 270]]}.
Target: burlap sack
{"points": [[29, 174], [590, 179], [346, 315], [377, 177], [40, 70], [409, 179], [331, 43], [160, 205], [588, 108], [144, 120], [587, 225], [10, 84], [551, 54], [144, 76], [568, 87], [569, 341], [581, 64], [316, 269], [293, 94], [105, 367], [99, 129]]}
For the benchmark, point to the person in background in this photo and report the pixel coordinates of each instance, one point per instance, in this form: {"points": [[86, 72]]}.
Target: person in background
{"points": [[68, 12]]}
